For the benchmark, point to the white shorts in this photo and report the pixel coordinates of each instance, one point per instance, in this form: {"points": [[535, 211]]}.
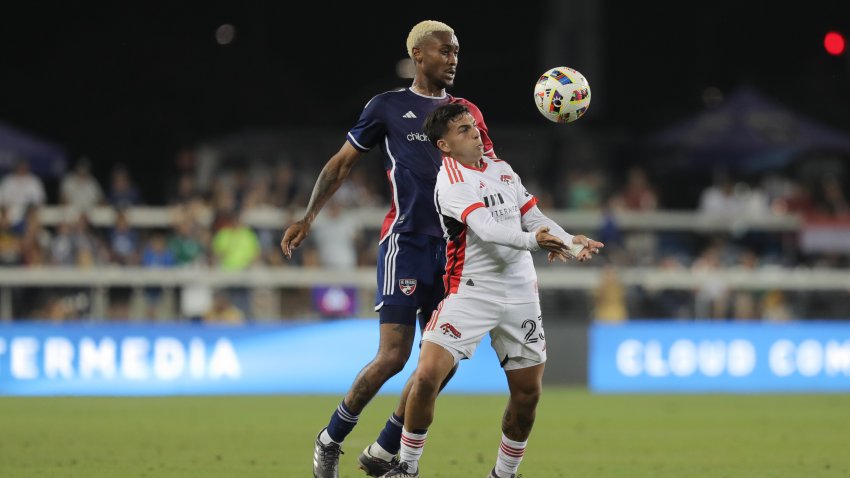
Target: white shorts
{"points": [[516, 330]]}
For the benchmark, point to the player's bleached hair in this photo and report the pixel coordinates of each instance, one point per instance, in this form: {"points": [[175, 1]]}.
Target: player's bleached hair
{"points": [[422, 30]]}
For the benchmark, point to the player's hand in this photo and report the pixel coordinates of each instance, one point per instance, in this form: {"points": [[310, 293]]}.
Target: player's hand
{"points": [[552, 244], [584, 248], [294, 236]]}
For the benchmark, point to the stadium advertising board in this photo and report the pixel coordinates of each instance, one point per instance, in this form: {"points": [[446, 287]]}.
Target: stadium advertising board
{"points": [[192, 359], [720, 357]]}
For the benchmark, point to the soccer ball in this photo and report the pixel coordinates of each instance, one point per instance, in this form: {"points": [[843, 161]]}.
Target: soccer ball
{"points": [[562, 94]]}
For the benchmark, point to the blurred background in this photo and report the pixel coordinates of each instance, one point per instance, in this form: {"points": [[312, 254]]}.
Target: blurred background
{"points": [[151, 156]]}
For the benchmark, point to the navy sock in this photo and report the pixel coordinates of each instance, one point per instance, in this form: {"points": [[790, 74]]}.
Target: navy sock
{"points": [[390, 437], [342, 422]]}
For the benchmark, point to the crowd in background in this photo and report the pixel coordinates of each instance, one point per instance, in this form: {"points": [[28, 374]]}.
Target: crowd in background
{"points": [[338, 241]]}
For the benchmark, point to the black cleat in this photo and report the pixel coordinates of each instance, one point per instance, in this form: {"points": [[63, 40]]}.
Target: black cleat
{"points": [[374, 466], [399, 470], [326, 459], [494, 475]]}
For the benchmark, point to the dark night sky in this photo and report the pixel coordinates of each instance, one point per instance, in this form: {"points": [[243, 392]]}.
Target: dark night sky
{"points": [[135, 83]]}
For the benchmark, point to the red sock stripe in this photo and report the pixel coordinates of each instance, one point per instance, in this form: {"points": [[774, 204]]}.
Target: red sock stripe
{"points": [[412, 442], [514, 452]]}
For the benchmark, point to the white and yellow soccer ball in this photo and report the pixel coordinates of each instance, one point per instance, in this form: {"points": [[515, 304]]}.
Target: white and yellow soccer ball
{"points": [[562, 94]]}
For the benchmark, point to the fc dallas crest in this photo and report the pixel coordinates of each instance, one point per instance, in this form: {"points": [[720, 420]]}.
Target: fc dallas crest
{"points": [[407, 286]]}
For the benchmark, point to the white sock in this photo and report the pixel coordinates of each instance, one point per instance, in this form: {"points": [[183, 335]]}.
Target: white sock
{"points": [[510, 455], [376, 450], [412, 445], [325, 438]]}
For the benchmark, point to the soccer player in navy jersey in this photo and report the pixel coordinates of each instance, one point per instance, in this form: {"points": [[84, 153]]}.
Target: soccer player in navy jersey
{"points": [[411, 259]]}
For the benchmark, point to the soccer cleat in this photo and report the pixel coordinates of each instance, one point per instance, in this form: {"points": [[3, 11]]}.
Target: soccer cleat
{"points": [[326, 459], [374, 466], [494, 475], [399, 470]]}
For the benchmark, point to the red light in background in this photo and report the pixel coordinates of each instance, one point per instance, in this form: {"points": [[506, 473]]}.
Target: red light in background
{"points": [[834, 43]]}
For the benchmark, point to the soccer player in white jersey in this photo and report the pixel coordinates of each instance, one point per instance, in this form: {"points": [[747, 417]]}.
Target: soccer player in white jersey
{"points": [[490, 223]]}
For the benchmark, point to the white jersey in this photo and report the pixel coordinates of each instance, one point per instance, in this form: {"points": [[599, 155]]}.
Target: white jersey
{"points": [[474, 265]]}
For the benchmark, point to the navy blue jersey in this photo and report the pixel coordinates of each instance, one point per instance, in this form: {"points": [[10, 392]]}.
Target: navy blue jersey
{"points": [[394, 121]]}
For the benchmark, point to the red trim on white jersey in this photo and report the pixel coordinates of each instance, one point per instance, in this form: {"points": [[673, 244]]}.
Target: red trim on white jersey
{"points": [[455, 256], [530, 204], [469, 210], [482, 168], [453, 171]]}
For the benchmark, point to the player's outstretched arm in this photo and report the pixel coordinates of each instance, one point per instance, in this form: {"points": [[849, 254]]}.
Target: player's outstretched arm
{"points": [[580, 247], [330, 179]]}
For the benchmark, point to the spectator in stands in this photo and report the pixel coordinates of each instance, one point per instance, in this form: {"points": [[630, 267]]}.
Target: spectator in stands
{"points": [[88, 248], [20, 188], [185, 190], [745, 303], [610, 297], [10, 243], [335, 235], [122, 192], [284, 190], [834, 203], [638, 194], [36, 239], [583, 190], [235, 245], [712, 296], [123, 241], [223, 311], [187, 244], [79, 189], [156, 255]]}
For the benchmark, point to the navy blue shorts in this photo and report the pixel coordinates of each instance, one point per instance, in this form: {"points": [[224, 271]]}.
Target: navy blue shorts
{"points": [[410, 272]]}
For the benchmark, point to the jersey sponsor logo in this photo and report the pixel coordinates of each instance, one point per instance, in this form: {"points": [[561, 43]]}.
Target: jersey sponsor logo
{"points": [[450, 330], [507, 179], [493, 200], [407, 286], [415, 136], [409, 115]]}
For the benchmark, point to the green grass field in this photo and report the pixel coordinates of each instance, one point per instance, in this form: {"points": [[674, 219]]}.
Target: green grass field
{"points": [[577, 435]]}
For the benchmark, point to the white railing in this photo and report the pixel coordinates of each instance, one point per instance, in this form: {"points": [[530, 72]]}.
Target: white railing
{"points": [[273, 218], [558, 276]]}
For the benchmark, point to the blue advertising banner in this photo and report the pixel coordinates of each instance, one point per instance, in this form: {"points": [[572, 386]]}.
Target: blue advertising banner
{"points": [[189, 359], [720, 357]]}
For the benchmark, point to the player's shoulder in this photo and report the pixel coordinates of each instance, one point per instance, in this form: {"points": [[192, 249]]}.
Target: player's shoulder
{"points": [[465, 102], [450, 173], [500, 165], [385, 97]]}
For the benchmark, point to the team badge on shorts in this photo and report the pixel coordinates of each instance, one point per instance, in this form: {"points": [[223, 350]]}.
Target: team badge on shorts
{"points": [[407, 286], [450, 330]]}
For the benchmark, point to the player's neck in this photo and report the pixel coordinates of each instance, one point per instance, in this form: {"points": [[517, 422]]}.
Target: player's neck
{"points": [[425, 89], [476, 163]]}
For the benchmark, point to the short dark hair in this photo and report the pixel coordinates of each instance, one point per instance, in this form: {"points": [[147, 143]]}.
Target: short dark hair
{"points": [[437, 122]]}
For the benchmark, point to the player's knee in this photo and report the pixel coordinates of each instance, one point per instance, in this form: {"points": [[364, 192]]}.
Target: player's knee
{"points": [[526, 398], [393, 360], [427, 381]]}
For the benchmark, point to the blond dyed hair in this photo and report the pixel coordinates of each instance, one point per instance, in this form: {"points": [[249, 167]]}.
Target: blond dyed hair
{"points": [[422, 30]]}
